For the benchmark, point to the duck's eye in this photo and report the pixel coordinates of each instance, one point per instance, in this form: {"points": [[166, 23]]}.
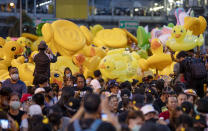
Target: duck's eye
{"points": [[13, 48], [181, 31], [56, 75], [108, 67], [174, 31], [103, 47]]}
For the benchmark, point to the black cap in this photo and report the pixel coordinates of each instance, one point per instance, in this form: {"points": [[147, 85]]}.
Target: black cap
{"points": [[201, 119], [138, 100], [42, 46]]}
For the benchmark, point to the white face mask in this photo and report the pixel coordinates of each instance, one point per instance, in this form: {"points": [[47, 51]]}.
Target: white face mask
{"points": [[136, 128], [15, 105], [68, 75], [59, 97], [15, 76]]}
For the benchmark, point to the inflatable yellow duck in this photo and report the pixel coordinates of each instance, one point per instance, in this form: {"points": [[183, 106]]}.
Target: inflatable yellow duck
{"points": [[2, 42], [196, 25], [95, 29], [87, 33], [183, 40], [112, 38], [8, 53], [24, 41], [158, 60], [120, 66], [65, 37]]}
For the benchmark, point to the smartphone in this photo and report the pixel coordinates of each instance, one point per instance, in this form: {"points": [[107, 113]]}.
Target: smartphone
{"points": [[4, 124], [104, 117]]}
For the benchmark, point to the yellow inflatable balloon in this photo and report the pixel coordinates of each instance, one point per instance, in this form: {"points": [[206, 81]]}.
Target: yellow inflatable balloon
{"points": [[113, 38], [196, 25], [87, 34], [120, 66], [57, 77], [63, 36], [158, 60], [24, 41], [168, 70], [183, 40], [95, 29], [2, 42]]}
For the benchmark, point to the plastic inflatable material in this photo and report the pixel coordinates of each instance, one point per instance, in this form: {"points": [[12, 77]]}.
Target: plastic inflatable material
{"points": [[183, 40]]}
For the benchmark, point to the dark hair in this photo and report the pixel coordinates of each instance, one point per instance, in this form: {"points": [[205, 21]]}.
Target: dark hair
{"points": [[38, 99], [185, 120], [66, 94], [67, 68], [14, 94], [134, 82], [91, 103], [187, 107], [182, 54], [125, 92], [82, 76], [55, 115], [202, 105], [31, 90], [10, 68], [160, 85], [5, 91], [181, 93], [47, 89], [36, 124], [148, 98], [139, 90], [101, 80], [97, 73], [55, 87], [90, 77], [125, 84], [134, 115]]}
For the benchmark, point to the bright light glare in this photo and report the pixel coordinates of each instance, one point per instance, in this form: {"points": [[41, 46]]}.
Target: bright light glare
{"points": [[136, 9], [156, 4], [11, 4], [171, 1], [44, 3]]}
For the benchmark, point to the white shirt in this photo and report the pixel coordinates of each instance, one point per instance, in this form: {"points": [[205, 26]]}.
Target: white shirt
{"points": [[95, 84]]}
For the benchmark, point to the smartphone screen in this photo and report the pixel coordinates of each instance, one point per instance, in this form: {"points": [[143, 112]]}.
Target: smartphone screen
{"points": [[104, 117], [4, 123]]}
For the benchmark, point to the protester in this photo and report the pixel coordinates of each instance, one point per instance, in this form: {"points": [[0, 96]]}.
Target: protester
{"points": [[95, 82], [42, 62], [14, 82]]}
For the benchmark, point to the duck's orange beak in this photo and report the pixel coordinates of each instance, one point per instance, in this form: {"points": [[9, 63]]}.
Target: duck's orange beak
{"points": [[102, 66], [155, 44], [178, 35]]}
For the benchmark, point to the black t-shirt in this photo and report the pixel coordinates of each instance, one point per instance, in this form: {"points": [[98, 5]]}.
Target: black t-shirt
{"points": [[18, 117], [86, 123], [158, 104]]}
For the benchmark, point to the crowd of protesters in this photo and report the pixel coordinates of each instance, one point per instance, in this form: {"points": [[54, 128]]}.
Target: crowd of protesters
{"points": [[93, 104]]}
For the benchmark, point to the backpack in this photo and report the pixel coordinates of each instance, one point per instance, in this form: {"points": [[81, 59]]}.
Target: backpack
{"points": [[196, 68], [94, 126]]}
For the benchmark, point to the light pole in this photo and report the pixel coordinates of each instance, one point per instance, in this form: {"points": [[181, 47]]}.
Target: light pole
{"points": [[20, 17]]}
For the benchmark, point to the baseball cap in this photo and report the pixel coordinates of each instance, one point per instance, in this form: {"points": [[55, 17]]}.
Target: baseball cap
{"points": [[25, 97], [35, 110], [147, 109], [190, 92], [39, 90]]}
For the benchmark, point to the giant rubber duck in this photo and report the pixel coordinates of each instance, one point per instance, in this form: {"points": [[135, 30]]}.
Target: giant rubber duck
{"points": [[183, 40], [196, 25], [120, 66], [65, 37], [159, 60]]}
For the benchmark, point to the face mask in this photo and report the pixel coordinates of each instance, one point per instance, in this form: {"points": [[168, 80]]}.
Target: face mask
{"points": [[136, 128], [15, 76], [15, 105], [68, 75]]}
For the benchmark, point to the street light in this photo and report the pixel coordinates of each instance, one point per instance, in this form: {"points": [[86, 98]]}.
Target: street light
{"points": [[136, 9], [11, 4], [156, 4]]}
